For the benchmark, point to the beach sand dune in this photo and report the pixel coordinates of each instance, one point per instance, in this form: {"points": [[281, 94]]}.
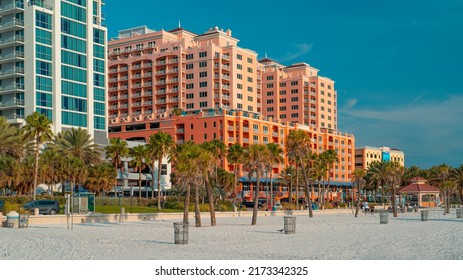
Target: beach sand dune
{"points": [[327, 236]]}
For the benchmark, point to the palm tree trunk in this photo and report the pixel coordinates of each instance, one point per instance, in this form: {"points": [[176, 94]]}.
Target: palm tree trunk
{"points": [[297, 188], [358, 200], [152, 171], [393, 201], [235, 189], [36, 168], [211, 201], [271, 191], [159, 183], [115, 187], [256, 199], [186, 204], [139, 183], [304, 174], [197, 210]]}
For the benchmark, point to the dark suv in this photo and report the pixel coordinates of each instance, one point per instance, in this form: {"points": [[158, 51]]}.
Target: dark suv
{"points": [[46, 207]]}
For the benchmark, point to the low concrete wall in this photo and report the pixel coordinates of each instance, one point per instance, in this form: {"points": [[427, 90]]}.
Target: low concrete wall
{"points": [[128, 217]]}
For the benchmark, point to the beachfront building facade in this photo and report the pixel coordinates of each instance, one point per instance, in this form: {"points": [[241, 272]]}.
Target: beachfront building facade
{"points": [[128, 177], [366, 155], [53, 60], [240, 127], [203, 87]]}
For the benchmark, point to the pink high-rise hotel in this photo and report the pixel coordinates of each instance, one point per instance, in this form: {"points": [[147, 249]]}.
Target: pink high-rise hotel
{"points": [[156, 75]]}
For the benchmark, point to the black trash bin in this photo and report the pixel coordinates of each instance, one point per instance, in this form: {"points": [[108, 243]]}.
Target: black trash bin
{"points": [[181, 233]]}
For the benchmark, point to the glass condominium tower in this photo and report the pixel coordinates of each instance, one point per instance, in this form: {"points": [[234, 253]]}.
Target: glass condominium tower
{"points": [[53, 60]]}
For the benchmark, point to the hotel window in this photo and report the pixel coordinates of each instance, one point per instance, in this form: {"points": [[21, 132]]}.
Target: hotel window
{"points": [[270, 109], [202, 74], [250, 70], [322, 92], [269, 85], [203, 54], [283, 116], [190, 106], [240, 106], [282, 92], [239, 56], [322, 84], [240, 96], [322, 108], [249, 60], [294, 99], [250, 98], [294, 107], [294, 83], [282, 84], [239, 76], [189, 56], [329, 86], [202, 64], [203, 94], [269, 78], [329, 102], [189, 96], [202, 84], [205, 125], [250, 108], [282, 100], [296, 115], [270, 93], [323, 100], [189, 86], [239, 86], [190, 76], [189, 66], [323, 116], [329, 94], [250, 89], [203, 104], [239, 66], [270, 101], [294, 91], [283, 108], [250, 79]]}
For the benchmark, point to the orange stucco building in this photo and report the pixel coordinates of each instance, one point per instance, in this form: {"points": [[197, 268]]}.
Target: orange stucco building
{"points": [[223, 92]]}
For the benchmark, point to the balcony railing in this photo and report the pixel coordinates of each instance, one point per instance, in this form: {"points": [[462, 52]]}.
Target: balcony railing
{"points": [[11, 103], [15, 54], [10, 23]]}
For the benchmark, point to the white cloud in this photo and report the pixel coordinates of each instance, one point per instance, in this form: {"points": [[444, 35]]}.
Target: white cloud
{"points": [[350, 103], [301, 49]]}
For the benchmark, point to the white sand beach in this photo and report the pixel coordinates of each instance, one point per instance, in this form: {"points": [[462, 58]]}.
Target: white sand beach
{"points": [[330, 235]]}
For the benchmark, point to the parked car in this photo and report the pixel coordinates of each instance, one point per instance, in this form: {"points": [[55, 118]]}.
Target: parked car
{"points": [[46, 207]]}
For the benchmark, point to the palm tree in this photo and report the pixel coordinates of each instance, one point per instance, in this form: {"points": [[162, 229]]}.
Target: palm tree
{"points": [[160, 145], [457, 177], [216, 151], [235, 156], [76, 173], [138, 155], [115, 151], [101, 178], [256, 157], [377, 176], [329, 157], [439, 177], [11, 142], [37, 127], [394, 173], [288, 175], [78, 143], [275, 157], [189, 174], [298, 149], [359, 180], [8, 167]]}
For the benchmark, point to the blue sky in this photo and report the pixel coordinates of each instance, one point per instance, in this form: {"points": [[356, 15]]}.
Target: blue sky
{"points": [[398, 65]]}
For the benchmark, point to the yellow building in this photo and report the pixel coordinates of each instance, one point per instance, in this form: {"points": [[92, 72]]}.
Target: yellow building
{"points": [[366, 155]]}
